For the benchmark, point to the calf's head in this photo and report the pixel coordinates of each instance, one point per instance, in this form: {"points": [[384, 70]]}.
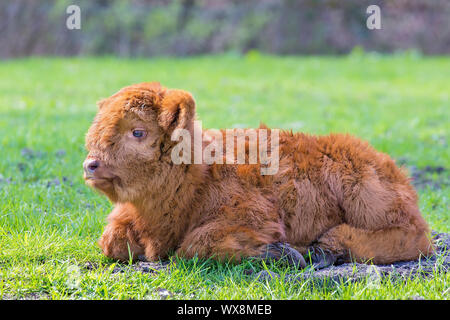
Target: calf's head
{"points": [[130, 136]]}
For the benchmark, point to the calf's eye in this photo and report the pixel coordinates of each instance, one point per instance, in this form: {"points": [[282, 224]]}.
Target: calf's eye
{"points": [[139, 133]]}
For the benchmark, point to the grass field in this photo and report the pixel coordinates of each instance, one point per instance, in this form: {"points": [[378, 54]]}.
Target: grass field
{"points": [[50, 221]]}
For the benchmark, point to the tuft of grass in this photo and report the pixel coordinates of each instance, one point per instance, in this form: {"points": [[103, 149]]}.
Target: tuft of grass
{"points": [[50, 221]]}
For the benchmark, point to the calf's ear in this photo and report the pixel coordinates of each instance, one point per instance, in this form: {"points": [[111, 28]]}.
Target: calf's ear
{"points": [[101, 103], [177, 110]]}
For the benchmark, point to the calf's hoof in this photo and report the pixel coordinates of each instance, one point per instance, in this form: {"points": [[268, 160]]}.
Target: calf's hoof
{"points": [[142, 258], [320, 258], [282, 251]]}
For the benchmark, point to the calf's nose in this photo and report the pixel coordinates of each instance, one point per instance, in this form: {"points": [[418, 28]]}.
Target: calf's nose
{"points": [[90, 166]]}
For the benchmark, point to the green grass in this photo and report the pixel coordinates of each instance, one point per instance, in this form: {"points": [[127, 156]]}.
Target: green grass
{"points": [[50, 221]]}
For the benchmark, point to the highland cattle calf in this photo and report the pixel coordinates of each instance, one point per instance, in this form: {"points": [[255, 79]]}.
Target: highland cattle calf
{"points": [[332, 198]]}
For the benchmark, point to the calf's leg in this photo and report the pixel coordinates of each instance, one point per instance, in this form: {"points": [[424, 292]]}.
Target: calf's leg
{"points": [[228, 242], [119, 240], [388, 245]]}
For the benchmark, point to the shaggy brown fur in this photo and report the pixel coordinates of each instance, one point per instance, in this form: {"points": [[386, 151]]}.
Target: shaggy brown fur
{"points": [[332, 193]]}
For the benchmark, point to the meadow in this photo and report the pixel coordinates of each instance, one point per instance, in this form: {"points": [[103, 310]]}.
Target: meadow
{"points": [[50, 220]]}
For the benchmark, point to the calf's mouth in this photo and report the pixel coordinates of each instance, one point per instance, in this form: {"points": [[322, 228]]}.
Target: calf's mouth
{"points": [[98, 175]]}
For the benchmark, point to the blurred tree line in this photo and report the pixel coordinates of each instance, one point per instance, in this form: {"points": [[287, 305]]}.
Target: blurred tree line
{"points": [[188, 27]]}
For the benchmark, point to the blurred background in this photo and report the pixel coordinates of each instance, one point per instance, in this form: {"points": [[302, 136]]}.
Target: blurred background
{"points": [[190, 27]]}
